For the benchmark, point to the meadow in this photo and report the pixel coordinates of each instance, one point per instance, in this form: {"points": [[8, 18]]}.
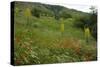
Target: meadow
{"points": [[40, 41]]}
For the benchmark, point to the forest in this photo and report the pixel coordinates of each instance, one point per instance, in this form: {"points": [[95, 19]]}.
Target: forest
{"points": [[45, 34]]}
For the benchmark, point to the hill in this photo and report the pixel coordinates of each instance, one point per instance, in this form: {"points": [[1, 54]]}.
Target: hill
{"points": [[45, 34]]}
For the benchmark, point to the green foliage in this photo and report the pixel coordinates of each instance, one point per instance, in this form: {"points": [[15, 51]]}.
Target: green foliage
{"points": [[90, 21], [94, 31], [16, 11], [36, 12], [64, 14], [94, 23], [41, 11], [41, 41], [82, 22]]}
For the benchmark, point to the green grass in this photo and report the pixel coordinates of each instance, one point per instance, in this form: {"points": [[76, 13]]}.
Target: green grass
{"points": [[40, 41]]}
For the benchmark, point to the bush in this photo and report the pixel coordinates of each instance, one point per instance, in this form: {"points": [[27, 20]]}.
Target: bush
{"points": [[36, 12]]}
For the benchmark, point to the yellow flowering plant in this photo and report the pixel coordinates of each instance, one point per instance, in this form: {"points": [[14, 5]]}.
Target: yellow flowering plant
{"points": [[28, 15], [27, 12], [87, 34], [62, 26]]}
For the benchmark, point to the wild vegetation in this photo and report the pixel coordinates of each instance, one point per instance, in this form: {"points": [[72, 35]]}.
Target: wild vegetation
{"points": [[45, 34]]}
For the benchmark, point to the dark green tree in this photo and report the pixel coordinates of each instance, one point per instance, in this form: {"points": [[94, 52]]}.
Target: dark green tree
{"points": [[36, 12], [93, 18], [64, 14]]}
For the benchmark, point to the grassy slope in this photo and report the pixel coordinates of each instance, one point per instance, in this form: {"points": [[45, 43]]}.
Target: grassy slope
{"points": [[40, 41]]}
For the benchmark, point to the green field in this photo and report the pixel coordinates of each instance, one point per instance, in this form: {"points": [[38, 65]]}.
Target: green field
{"points": [[40, 41]]}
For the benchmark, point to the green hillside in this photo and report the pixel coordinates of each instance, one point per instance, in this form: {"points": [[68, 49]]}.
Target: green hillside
{"points": [[39, 38]]}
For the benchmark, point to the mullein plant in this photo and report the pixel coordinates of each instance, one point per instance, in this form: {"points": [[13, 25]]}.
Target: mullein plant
{"points": [[87, 34], [27, 14], [62, 27]]}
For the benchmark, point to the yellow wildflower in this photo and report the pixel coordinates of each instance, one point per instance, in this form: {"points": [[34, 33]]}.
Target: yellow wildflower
{"points": [[27, 12], [87, 32], [62, 27]]}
